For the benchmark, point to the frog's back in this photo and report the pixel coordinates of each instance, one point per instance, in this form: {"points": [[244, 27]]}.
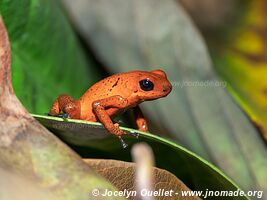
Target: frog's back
{"points": [[117, 84]]}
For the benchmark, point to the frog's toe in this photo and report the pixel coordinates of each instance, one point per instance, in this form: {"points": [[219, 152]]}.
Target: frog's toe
{"points": [[136, 135], [64, 115], [116, 125], [124, 144]]}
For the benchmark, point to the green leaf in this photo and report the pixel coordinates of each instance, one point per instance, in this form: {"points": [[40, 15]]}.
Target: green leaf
{"points": [[32, 157], [151, 34], [91, 139], [47, 59], [242, 61]]}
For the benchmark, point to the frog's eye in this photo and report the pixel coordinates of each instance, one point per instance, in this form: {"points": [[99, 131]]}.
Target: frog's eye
{"points": [[146, 85]]}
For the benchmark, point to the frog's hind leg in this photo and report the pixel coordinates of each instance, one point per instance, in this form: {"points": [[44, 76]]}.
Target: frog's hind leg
{"points": [[67, 106]]}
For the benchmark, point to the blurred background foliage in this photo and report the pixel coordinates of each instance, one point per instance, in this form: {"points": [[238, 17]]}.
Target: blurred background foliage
{"points": [[241, 59], [191, 40], [236, 35]]}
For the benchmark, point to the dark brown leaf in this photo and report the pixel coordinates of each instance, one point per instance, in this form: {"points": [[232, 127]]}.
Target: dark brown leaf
{"points": [[122, 175]]}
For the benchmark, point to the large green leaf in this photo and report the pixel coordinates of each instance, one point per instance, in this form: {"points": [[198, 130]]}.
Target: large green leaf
{"points": [[31, 156], [46, 57], [91, 139], [151, 34]]}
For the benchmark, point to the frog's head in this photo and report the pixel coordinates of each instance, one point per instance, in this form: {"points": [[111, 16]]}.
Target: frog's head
{"points": [[153, 85]]}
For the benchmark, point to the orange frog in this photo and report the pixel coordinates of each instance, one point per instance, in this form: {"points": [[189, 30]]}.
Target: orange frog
{"points": [[112, 95]]}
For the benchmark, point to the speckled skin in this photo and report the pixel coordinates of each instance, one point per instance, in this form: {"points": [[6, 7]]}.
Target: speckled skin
{"points": [[114, 94]]}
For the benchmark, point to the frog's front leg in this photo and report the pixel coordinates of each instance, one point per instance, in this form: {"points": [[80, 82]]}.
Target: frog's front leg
{"points": [[140, 119], [99, 108], [64, 103]]}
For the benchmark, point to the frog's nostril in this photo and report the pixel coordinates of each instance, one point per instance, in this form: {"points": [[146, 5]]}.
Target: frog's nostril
{"points": [[167, 88]]}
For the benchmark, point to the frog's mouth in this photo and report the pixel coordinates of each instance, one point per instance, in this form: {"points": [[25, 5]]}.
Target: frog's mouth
{"points": [[153, 96]]}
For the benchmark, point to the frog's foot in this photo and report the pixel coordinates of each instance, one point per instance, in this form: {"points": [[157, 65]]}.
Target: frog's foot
{"points": [[119, 134], [134, 134], [63, 115], [124, 144]]}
